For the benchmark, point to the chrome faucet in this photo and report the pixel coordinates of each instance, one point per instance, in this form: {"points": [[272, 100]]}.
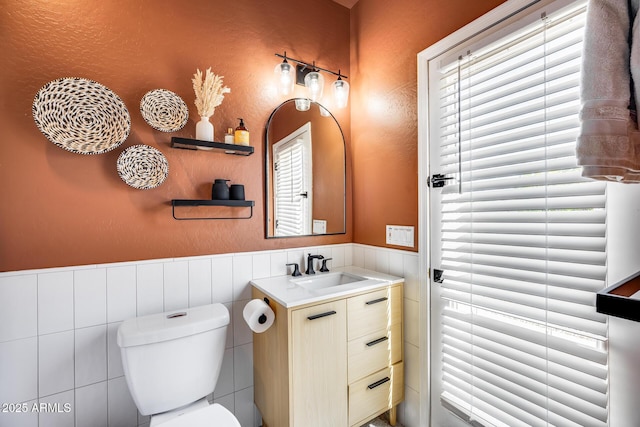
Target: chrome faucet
{"points": [[310, 259]]}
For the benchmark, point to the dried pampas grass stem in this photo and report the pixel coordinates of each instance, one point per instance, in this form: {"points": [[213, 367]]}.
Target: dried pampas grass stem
{"points": [[209, 92]]}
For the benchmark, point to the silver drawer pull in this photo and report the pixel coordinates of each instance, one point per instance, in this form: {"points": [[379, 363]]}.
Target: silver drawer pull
{"points": [[378, 341], [378, 383], [317, 316], [375, 301]]}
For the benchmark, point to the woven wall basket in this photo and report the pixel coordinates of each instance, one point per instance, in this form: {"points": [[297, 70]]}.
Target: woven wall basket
{"points": [[81, 116], [142, 167], [164, 110]]}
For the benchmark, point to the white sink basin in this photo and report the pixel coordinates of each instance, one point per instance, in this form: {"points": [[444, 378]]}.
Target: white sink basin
{"points": [[343, 281], [327, 280]]}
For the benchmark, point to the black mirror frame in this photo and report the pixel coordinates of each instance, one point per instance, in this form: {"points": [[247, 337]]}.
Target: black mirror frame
{"points": [[267, 166]]}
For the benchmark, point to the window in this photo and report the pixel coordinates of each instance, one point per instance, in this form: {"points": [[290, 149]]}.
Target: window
{"points": [[518, 234]]}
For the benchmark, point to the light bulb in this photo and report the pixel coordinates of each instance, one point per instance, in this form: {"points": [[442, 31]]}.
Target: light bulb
{"points": [[314, 81], [324, 112], [285, 77], [303, 104], [340, 93]]}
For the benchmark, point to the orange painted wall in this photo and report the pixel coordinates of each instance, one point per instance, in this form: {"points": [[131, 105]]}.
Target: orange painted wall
{"points": [[60, 208], [386, 38]]}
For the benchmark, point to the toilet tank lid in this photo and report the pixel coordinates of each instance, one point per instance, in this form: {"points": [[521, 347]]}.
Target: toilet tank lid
{"points": [[172, 325]]}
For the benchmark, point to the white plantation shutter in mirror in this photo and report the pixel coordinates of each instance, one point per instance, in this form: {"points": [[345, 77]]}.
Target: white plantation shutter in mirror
{"points": [[290, 186], [522, 238]]}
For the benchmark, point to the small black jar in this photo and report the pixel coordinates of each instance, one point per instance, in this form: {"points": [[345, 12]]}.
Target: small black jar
{"points": [[237, 192]]}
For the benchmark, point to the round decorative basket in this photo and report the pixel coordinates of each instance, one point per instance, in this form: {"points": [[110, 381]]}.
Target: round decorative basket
{"points": [[142, 167], [164, 110], [81, 116]]}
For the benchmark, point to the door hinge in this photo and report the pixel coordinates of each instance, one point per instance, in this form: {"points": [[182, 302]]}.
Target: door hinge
{"points": [[437, 275], [438, 180]]}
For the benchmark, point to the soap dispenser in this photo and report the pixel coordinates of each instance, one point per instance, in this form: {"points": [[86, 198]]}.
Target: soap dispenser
{"points": [[220, 190], [241, 136]]}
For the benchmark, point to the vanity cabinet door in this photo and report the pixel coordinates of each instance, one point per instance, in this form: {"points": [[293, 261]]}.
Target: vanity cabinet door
{"points": [[319, 365]]}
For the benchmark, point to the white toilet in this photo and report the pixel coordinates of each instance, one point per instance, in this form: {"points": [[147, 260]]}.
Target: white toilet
{"points": [[172, 361]]}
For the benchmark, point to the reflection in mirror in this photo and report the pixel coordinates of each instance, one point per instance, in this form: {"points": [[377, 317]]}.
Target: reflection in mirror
{"points": [[305, 172]]}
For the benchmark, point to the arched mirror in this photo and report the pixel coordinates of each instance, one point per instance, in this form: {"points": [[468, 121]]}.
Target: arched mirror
{"points": [[305, 171]]}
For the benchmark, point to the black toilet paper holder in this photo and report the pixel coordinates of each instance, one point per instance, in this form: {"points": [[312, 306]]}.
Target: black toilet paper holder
{"points": [[263, 318]]}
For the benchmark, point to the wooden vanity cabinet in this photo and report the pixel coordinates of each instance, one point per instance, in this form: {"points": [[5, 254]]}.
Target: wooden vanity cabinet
{"points": [[337, 363]]}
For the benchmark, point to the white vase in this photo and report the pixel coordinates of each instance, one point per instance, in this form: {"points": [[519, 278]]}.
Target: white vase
{"points": [[204, 129]]}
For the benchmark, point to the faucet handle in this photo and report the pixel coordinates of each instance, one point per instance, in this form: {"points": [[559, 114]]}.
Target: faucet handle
{"points": [[296, 270], [324, 265]]}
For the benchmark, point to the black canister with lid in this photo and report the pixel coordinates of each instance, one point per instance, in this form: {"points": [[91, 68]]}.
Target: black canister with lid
{"points": [[237, 192], [220, 190]]}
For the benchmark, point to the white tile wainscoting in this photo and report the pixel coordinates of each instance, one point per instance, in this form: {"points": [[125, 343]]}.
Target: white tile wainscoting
{"points": [[59, 360]]}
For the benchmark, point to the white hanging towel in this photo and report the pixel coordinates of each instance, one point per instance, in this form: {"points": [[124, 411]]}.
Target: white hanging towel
{"points": [[608, 146]]}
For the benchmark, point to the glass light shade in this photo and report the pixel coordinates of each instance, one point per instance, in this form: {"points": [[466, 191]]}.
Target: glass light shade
{"points": [[303, 104], [285, 76], [324, 112], [314, 81], [340, 93]]}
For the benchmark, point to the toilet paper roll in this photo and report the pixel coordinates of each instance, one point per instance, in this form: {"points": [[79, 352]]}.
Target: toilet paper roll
{"points": [[258, 315]]}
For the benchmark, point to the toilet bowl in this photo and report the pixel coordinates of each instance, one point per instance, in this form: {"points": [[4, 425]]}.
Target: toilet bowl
{"points": [[171, 363]]}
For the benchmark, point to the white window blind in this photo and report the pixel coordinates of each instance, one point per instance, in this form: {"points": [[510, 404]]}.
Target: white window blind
{"points": [[291, 188], [522, 239]]}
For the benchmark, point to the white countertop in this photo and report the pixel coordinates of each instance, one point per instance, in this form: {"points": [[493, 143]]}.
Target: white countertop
{"points": [[288, 293]]}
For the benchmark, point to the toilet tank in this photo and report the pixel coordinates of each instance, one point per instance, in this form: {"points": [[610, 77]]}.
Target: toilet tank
{"points": [[172, 359]]}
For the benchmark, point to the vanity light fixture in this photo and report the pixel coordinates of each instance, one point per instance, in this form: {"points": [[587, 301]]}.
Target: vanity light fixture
{"points": [[340, 92], [314, 82], [303, 104], [324, 112], [285, 76], [309, 75]]}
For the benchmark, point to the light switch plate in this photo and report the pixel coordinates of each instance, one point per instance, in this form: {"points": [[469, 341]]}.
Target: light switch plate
{"points": [[400, 235]]}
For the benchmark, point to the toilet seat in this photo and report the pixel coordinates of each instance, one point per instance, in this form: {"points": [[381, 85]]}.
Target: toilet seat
{"points": [[213, 415]]}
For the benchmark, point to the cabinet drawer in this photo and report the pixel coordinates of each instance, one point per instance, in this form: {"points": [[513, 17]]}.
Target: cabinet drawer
{"points": [[374, 352], [374, 311], [375, 394]]}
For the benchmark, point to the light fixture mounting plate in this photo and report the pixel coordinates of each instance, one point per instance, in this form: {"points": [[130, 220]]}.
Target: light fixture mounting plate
{"points": [[301, 72]]}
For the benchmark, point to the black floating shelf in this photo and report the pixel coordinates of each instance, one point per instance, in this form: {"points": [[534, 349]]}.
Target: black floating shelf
{"points": [[196, 144], [616, 300], [229, 203]]}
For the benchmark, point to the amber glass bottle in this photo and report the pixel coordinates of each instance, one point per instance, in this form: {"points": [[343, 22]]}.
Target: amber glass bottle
{"points": [[241, 135]]}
